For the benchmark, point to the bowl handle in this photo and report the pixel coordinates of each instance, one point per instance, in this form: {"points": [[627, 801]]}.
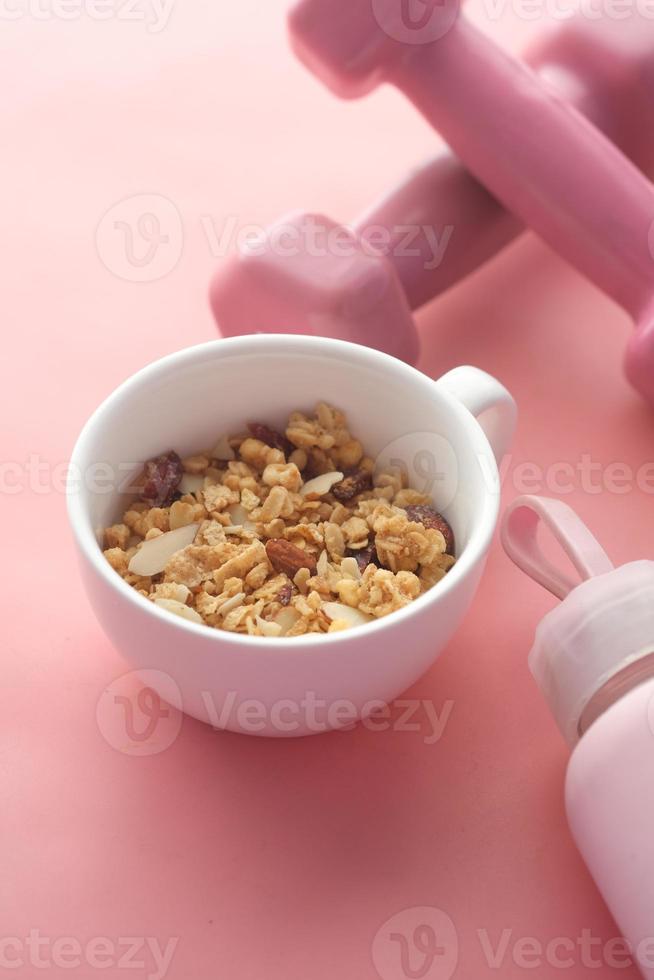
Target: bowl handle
{"points": [[489, 402]]}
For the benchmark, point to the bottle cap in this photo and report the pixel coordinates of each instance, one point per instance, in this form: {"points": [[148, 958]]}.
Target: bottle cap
{"points": [[599, 642]]}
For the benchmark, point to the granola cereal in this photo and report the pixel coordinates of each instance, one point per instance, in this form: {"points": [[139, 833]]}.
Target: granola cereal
{"points": [[274, 533]]}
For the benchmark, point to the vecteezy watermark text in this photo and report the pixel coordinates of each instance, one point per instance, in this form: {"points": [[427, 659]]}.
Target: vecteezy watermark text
{"points": [[153, 14], [37, 475], [141, 239], [419, 22], [318, 239], [564, 10], [317, 715], [424, 942], [140, 714], [561, 952], [98, 953]]}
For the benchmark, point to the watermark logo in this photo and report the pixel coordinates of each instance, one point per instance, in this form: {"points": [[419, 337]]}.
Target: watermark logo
{"points": [[422, 944], [415, 21], [416, 944], [140, 713], [141, 238], [425, 461]]}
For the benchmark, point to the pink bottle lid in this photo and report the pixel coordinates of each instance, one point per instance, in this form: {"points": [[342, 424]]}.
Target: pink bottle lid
{"points": [[599, 642]]}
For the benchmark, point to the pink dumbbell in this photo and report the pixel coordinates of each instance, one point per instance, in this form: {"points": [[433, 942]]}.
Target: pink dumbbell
{"points": [[536, 153], [601, 67]]}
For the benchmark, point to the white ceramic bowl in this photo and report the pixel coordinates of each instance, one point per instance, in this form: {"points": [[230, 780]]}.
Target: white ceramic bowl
{"points": [[184, 401]]}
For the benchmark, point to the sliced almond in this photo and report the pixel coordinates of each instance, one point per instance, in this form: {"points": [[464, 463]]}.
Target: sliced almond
{"points": [[179, 609], [176, 591], [350, 568], [269, 628], [153, 556], [339, 611], [182, 592], [222, 450], [191, 483], [338, 625], [323, 564], [321, 485], [238, 514], [233, 603], [240, 517], [287, 618]]}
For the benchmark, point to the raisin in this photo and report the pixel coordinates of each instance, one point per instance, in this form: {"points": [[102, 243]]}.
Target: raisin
{"points": [[271, 437], [430, 518], [284, 594], [161, 479], [364, 557], [355, 482]]}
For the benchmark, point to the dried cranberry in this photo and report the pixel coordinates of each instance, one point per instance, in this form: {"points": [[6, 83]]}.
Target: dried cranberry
{"points": [[271, 437], [356, 481], [364, 557], [161, 479], [430, 518], [284, 594]]}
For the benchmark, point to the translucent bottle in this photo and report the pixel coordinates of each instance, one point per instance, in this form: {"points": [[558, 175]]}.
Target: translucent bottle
{"points": [[593, 659]]}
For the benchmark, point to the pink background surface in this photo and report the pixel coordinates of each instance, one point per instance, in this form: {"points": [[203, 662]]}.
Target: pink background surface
{"points": [[275, 859]]}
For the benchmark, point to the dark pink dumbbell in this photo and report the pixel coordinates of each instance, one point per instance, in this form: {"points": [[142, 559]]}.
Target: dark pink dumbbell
{"points": [[546, 163], [601, 67]]}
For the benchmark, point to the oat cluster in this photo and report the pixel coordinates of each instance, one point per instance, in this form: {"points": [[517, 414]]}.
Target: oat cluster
{"points": [[280, 534]]}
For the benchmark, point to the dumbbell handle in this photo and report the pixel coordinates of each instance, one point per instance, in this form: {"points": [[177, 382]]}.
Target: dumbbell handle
{"points": [[442, 194], [465, 225], [569, 182]]}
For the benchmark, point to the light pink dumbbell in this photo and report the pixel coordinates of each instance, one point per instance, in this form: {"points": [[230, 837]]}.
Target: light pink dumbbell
{"points": [[600, 67], [546, 163]]}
